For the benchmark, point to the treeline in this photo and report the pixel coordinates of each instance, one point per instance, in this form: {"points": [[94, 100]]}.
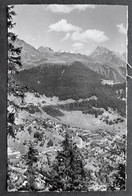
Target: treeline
{"points": [[74, 82], [83, 106], [105, 102]]}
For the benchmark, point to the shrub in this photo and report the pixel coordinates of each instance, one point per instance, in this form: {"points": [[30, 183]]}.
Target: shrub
{"points": [[38, 136]]}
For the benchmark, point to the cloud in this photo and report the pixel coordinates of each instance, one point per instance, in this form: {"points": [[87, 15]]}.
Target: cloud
{"points": [[78, 45], [66, 37], [90, 34], [121, 29], [63, 26], [66, 9], [76, 34]]}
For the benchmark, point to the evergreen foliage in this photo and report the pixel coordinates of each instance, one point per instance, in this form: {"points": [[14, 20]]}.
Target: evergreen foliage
{"points": [[32, 158], [78, 82], [14, 58], [14, 63], [68, 172], [119, 182]]}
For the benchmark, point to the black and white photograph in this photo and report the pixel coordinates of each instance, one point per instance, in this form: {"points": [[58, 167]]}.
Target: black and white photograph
{"points": [[67, 97]]}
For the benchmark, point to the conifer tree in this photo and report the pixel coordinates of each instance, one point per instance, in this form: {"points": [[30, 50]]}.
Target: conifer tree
{"points": [[32, 158], [14, 63], [14, 58], [119, 179], [68, 171]]}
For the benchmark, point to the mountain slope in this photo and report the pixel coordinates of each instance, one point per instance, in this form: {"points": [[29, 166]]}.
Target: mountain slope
{"points": [[29, 55], [63, 81], [103, 55], [46, 52], [106, 63], [112, 64], [70, 82]]}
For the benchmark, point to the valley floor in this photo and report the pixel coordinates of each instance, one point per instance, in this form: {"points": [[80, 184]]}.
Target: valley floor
{"points": [[102, 145]]}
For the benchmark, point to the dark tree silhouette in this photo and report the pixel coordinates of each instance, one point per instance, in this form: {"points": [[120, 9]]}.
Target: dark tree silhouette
{"points": [[32, 158], [14, 58], [119, 182], [14, 63], [68, 172]]}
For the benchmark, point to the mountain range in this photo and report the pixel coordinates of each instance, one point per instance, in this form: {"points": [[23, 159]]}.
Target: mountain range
{"points": [[108, 64], [61, 93]]}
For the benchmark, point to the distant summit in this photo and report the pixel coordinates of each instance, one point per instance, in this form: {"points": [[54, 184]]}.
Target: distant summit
{"points": [[104, 55], [43, 49], [46, 52], [100, 50], [29, 54]]}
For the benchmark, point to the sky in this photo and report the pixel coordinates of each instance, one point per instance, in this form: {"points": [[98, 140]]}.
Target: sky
{"points": [[74, 28]]}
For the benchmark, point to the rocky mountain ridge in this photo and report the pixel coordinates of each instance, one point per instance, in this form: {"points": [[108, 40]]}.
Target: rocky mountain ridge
{"points": [[106, 63], [104, 55]]}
